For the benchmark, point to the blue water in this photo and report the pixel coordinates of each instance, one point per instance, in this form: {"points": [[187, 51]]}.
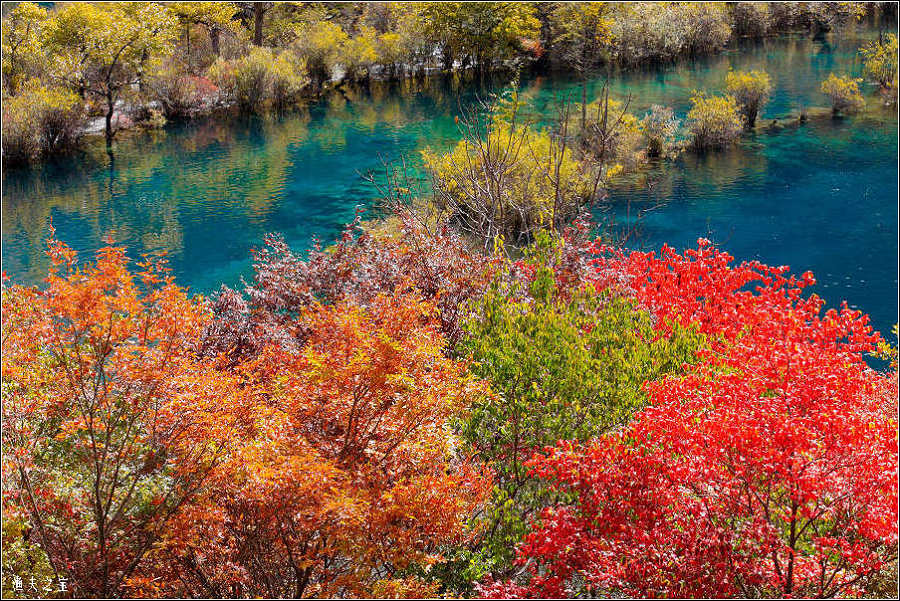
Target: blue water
{"points": [[822, 197]]}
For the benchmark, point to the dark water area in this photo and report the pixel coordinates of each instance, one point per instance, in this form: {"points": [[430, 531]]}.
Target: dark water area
{"points": [[820, 197]]}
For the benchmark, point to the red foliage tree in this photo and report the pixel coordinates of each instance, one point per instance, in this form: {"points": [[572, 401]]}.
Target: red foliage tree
{"points": [[771, 469]]}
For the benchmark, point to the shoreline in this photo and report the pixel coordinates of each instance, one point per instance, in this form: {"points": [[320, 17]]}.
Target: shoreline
{"points": [[215, 108]]}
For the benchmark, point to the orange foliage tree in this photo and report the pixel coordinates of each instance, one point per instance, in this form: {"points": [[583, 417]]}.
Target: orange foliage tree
{"points": [[110, 423], [348, 480]]}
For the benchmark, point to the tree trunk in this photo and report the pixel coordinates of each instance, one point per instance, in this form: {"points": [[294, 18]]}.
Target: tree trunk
{"points": [[447, 58], [258, 13], [188, 46], [583, 101], [214, 39], [110, 109]]}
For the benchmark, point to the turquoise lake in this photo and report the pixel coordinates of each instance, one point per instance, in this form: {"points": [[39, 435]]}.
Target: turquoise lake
{"points": [[819, 197]]}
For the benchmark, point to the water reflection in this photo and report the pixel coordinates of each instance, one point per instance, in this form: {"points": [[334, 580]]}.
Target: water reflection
{"points": [[207, 191]]}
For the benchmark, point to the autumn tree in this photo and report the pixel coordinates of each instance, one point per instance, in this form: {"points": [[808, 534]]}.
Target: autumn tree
{"points": [[104, 50], [714, 121], [360, 53], [880, 60], [508, 179], [320, 44], [751, 90], [582, 36], [843, 92], [348, 480], [358, 267], [769, 470], [256, 11], [22, 44], [566, 364], [215, 17], [110, 422], [260, 77], [40, 121], [479, 34], [662, 31]]}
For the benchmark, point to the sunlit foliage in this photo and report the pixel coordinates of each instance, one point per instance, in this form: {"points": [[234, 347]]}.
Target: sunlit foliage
{"points": [[120, 58], [40, 121], [663, 31], [346, 478], [844, 94], [215, 18], [260, 77], [23, 558], [179, 93], [566, 363], [104, 50], [364, 421], [23, 51], [582, 36], [713, 121], [506, 179], [751, 89], [320, 44], [480, 34], [111, 423], [612, 135], [880, 59], [769, 470], [357, 268]]}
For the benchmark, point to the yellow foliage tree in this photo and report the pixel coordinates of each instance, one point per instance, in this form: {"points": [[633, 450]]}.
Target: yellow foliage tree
{"points": [[751, 89], [880, 60], [360, 53], [479, 33], [104, 49], [844, 93], [320, 44], [22, 45], [714, 121], [505, 180]]}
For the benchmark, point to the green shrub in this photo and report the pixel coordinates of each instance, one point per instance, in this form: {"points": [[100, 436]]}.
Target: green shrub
{"points": [[713, 121], [751, 89], [41, 120], [564, 366], [844, 94], [23, 558]]}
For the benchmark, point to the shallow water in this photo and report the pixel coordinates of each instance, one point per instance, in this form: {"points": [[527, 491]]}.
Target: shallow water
{"points": [[822, 197]]}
